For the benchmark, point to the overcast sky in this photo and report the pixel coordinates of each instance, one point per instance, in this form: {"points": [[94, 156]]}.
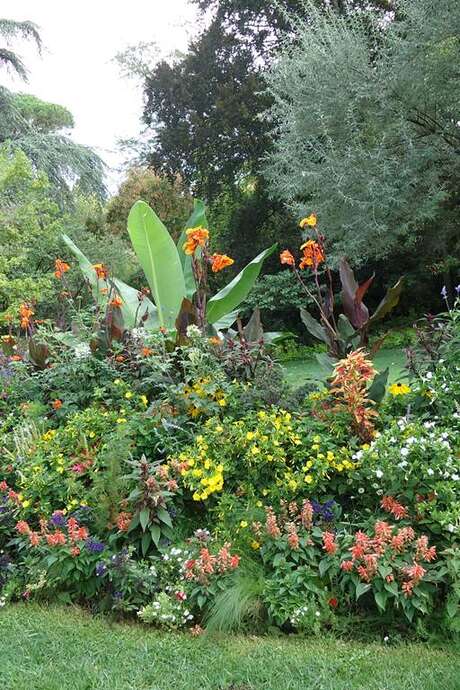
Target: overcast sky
{"points": [[76, 69]]}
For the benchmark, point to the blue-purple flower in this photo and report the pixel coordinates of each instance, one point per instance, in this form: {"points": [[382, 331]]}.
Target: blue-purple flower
{"points": [[101, 569], [444, 292], [94, 546]]}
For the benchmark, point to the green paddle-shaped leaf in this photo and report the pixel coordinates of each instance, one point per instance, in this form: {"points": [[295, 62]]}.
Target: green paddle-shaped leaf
{"points": [[238, 289], [160, 261]]}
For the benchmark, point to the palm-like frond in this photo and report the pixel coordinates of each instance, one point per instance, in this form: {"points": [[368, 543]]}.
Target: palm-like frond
{"points": [[10, 29], [10, 60]]}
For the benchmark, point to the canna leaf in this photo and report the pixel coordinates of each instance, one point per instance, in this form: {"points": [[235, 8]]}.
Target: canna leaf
{"points": [[238, 289], [198, 217], [389, 302], [160, 261]]}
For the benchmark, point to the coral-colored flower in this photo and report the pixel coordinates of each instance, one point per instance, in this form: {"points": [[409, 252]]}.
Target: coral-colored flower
{"points": [[347, 566], [123, 521], [329, 544], [287, 258], [56, 539], [309, 221], [313, 255], [22, 527], [74, 551], [60, 267], [102, 271], [146, 351], [293, 537], [306, 514], [34, 538], [271, 524], [56, 404], [16, 358], [196, 237], [220, 261]]}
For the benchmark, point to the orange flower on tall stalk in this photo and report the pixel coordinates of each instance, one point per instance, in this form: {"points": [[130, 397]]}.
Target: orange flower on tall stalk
{"points": [[196, 237], [56, 404], [60, 267], [220, 261], [101, 271], [25, 314], [309, 221], [287, 258], [117, 301], [313, 255]]}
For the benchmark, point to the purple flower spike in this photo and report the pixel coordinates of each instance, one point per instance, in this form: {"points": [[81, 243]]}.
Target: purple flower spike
{"points": [[444, 292]]}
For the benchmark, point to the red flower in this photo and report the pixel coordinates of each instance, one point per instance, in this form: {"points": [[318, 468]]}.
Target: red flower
{"points": [[333, 602]]}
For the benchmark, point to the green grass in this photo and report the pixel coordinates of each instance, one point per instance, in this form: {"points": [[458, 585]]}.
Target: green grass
{"points": [[297, 371], [66, 649]]}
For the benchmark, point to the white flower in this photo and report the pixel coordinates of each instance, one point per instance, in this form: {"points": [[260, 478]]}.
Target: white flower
{"points": [[378, 474], [82, 351], [404, 452], [193, 331], [317, 614], [360, 490], [430, 471], [455, 477]]}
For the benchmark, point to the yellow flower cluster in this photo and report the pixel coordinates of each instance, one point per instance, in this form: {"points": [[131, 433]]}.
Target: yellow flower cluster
{"points": [[200, 473], [200, 393]]}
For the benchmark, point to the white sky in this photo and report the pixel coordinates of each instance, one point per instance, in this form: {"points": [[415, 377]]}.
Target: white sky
{"points": [[76, 69]]}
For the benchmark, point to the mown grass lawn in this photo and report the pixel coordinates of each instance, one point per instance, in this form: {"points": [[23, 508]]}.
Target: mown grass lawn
{"points": [[66, 649]]}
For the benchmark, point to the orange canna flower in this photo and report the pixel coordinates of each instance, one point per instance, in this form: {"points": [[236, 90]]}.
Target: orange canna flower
{"points": [[60, 267], [196, 237], [287, 258], [25, 314], [56, 404], [117, 301], [16, 358], [313, 255], [215, 340], [101, 271], [309, 221], [220, 261]]}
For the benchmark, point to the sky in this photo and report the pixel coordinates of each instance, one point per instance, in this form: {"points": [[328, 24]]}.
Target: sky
{"points": [[76, 68]]}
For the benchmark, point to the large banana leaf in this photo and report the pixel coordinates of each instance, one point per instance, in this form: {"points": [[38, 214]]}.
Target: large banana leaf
{"points": [[238, 289], [198, 217], [134, 312], [160, 261]]}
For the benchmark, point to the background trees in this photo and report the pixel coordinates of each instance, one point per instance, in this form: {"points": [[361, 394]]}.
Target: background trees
{"points": [[365, 131]]}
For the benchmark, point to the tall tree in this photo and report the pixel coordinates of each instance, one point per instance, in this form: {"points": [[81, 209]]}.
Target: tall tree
{"points": [[365, 129], [9, 30]]}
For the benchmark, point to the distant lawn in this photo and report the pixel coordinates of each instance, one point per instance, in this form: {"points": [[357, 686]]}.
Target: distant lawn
{"points": [[66, 649], [300, 370]]}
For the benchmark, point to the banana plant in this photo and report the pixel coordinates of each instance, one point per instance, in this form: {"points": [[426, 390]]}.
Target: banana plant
{"points": [[169, 273]]}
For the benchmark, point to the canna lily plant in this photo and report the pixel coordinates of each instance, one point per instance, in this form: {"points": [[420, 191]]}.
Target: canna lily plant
{"points": [[176, 275], [349, 330]]}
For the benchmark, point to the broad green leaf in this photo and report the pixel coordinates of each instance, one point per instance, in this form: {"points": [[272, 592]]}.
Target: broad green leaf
{"points": [[388, 303], [313, 326], [377, 388], [132, 310], [160, 261], [197, 218], [146, 540], [155, 531], [164, 516], [226, 321], [144, 517], [345, 328], [381, 600], [361, 588], [231, 296]]}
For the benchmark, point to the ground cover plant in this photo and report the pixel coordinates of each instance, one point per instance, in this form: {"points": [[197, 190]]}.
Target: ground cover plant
{"points": [[168, 474]]}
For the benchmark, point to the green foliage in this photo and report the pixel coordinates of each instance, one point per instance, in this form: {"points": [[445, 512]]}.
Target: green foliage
{"points": [[10, 29], [364, 115]]}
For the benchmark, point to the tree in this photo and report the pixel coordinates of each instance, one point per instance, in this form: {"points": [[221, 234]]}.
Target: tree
{"points": [[10, 30], [35, 127], [168, 197], [365, 129]]}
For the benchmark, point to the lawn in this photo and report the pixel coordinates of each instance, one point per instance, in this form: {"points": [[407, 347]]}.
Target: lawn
{"points": [[57, 649], [300, 370]]}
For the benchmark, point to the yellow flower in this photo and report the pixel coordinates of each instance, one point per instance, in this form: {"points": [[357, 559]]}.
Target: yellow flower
{"points": [[255, 450], [129, 395], [243, 524], [259, 504], [399, 389], [26, 503], [121, 420], [144, 400], [222, 402], [250, 435], [255, 545], [309, 221], [308, 478]]}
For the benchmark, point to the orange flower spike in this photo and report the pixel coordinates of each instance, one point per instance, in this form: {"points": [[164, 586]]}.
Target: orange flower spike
{"points": [[220, 261], [287, 258], [25, 314], [117, 301], [101, 271], [60, 267], [310, 221], [196, 237]]}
